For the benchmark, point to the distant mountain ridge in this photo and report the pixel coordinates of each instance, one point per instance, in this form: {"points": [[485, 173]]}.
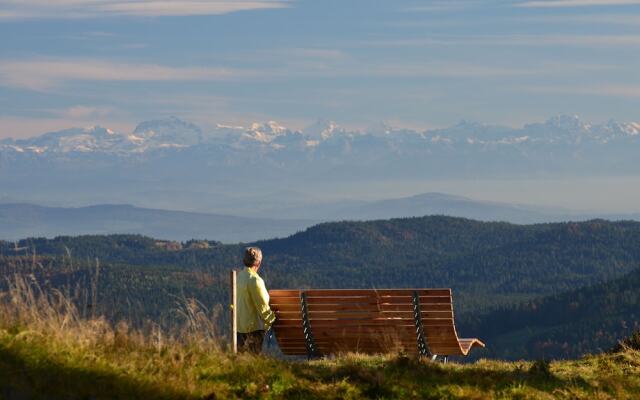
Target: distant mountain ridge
{"points": [[171, 163], [26, 220], [20, 220], [175, 133], [434, 203]]}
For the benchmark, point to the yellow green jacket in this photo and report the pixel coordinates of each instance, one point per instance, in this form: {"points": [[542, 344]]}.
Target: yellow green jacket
{"points": [[253, 311]]}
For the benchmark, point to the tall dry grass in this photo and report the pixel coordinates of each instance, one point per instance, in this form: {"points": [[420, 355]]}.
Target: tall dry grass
{"points": [[51, 347], [70, 314]]}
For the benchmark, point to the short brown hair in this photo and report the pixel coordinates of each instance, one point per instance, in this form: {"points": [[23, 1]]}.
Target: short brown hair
{"points": [[252, 256]]}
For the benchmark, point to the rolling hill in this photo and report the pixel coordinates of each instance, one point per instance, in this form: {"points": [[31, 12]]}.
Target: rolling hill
{"points": [[490, 266]]}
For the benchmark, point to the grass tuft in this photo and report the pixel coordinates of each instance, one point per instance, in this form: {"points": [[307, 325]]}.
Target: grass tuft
{"points": [[541, 368], [630, 343]]}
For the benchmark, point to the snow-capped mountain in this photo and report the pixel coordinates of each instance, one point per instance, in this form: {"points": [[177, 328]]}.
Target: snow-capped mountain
{"points": [[169, 161], [82, 140], [170, 132], [175, 133], [150, 135], [172, 164]]}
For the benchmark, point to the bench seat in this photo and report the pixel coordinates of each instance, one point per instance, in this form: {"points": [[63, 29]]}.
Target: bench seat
{"points": [[317, 322]]}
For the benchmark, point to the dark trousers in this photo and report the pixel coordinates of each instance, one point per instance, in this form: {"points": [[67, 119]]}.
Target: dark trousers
{"points": [[250, 342]]}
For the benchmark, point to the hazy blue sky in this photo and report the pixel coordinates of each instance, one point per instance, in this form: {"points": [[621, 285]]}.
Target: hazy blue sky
{"points": [[417, 64]]}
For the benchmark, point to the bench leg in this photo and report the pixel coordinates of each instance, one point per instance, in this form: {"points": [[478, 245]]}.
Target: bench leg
{"points": [[444, 359]]}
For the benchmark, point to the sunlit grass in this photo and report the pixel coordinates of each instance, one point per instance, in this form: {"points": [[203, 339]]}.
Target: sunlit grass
{"points": [[47, 350]]}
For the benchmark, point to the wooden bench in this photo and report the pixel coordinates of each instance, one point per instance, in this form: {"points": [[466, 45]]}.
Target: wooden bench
{"points": [[318, 322]]}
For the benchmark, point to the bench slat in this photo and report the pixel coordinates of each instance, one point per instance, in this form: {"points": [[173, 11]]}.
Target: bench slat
{"points": [[355, 330], [363, 343], [386, 342], [363, 321], [294, 304], [444, 342], [344, 307], [355, 340], [403, 308], [339, 323], [372, 299], [385, 336], [341, 292], [359, 349], [379, 294], [284, 300], [430, 330], [362, 347], [374, 314], [284, 292], [362, 330]]}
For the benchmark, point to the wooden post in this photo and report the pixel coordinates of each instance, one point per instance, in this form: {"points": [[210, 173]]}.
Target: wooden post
{"points": [[234, 321]]}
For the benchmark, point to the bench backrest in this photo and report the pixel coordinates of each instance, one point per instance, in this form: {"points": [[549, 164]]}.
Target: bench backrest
{"points": [[326, 321]]}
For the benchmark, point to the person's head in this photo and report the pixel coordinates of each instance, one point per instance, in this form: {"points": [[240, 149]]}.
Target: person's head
{"points": [[252, 257]]}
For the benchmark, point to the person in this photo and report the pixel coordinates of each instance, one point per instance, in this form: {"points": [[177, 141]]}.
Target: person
{"points": [[254, 316]]}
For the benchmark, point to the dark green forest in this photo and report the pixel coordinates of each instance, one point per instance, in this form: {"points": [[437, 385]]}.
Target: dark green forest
{"points": [[546, 290], [585, 320]]}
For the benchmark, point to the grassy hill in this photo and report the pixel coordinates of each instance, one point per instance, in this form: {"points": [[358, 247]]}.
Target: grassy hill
{"points": [[490, 266], [36, 368], [47, 350]]}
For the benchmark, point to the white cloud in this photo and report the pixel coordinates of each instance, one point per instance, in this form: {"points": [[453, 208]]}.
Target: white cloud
{"points": [[461, 70], [447, 70], [312, 53], [45, 74], [447, 5], [608, 90], [19, 9], [598, 19], [575, 3], [512, 40], [85, 112]]}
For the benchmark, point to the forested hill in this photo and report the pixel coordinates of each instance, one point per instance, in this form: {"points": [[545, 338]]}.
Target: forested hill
{"points": [[564, 325], [489, 265]]}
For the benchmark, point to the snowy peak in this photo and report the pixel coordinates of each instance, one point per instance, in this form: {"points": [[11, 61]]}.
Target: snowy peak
{"points": [[567, 123], [265, 132], [157, 134], [621, 128], [168, 132], [93, 138], [322, 129], [574, 130], [268, 128]]}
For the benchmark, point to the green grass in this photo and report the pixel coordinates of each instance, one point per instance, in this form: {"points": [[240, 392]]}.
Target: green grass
{"points": [[34, 365], [48, 351]]}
